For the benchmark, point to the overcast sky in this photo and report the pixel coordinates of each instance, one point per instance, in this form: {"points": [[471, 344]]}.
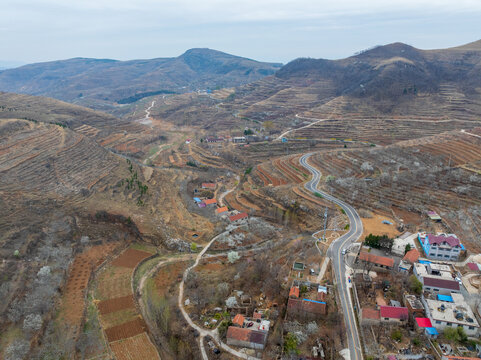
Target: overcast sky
{"points": [[268, 30]]}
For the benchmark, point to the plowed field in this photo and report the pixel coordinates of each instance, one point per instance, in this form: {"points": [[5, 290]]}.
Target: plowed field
{"points": [[125, 330], [130, 258], [116, 304], [135, 348]]}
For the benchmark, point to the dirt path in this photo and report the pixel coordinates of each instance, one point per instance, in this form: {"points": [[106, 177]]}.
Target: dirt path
{"points": [[146, 120], [203, 332]]}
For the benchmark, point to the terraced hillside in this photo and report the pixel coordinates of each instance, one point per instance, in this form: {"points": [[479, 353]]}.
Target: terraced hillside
{"points": [[408, 179], [383, 92], [50, 159]]}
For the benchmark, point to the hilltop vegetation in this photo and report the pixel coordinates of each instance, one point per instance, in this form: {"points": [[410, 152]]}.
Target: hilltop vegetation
{"points": [[98, 83]]}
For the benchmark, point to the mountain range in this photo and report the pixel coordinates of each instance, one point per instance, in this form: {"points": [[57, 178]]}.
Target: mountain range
{"points": [[97, 82]]}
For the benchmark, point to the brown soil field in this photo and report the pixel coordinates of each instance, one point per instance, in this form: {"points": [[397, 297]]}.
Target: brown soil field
{"points": [[168, 275], [116, 304], [135, 348], [130, 258], [73, 303], [125, 330], [118, 317], [114, 282], [408, 217], [375, 226]]}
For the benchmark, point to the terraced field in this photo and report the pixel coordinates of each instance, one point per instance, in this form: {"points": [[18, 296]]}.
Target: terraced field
{"points": [[413, 176], [379, 131], [124, 328], [73, 299], [49, 158]]}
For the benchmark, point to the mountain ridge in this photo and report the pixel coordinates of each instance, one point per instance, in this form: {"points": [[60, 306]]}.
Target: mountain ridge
{"points": [[101, 82]]}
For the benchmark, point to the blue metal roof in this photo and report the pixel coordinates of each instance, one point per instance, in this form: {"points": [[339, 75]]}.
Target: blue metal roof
{"points": [[432, 331], [445, 298], [319, 302], [196, 199], [425, 262]]}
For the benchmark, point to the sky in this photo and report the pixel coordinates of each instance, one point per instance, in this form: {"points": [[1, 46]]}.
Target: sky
{"points": [[265, 30]]}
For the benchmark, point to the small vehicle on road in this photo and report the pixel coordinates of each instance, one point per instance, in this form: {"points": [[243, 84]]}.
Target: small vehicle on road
{"points": [[344, 251]]}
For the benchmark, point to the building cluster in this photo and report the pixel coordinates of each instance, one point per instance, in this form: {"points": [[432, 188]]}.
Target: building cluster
{"points": [[444, 301], [233, 216]]}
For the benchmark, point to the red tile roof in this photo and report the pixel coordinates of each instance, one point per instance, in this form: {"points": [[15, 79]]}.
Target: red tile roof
{"points": [[394, 312], [257, 315], [439, 239], [238, 216], [412, 256], [294, 291], [473, 267], [248, 335], [208, 185], [238, 320], [441, 283], [379, 260], [368, 313], [210, 201], [424, 322], [222, 209]]}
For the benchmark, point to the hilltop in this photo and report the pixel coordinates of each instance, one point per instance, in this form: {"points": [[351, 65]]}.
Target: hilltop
{"points": [[101, 82]]}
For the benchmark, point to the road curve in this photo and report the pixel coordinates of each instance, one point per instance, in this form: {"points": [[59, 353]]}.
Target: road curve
{"points": [[338, 263]]}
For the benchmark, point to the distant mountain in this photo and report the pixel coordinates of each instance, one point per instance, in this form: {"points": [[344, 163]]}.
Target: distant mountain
{"points": [[97, 82], [395, 80], [7, 64]]}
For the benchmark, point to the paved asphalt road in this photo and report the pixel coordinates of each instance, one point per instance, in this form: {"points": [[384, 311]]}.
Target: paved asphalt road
{"points": [[338, 262]]}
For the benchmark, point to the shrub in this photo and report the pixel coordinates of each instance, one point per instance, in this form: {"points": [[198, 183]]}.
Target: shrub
{"points": [[396, 335], [415, 285], [233, 256], [290, 344]]}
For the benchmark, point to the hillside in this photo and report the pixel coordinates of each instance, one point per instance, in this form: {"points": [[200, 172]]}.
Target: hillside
{"points": [[98, 82]]}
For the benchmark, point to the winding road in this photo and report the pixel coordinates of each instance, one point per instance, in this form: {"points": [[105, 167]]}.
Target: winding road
{"points": [[338, 262]]}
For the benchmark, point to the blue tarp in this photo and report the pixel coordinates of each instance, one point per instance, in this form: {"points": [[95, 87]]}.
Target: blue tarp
{"points": [[462, 246], [319, 302], [196, 199], [445, 298], [432, 331], [425, 262]]}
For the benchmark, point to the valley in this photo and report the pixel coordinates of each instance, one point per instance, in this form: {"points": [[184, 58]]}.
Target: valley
{"points": [[215, 207]]}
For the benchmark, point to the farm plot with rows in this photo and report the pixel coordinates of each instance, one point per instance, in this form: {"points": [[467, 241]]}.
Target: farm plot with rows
{"points": [[124, 328], [136, 347]]}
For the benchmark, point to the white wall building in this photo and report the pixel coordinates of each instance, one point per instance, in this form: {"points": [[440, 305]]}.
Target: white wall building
{"points": [[458, 313]]}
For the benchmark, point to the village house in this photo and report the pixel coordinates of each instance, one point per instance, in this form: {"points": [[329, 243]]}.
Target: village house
{"points": [[211, 202], [221, 210], [250, 333], [380, 262], [441, 246], [425, 325], [451, 311], [409, 260], [298, 305], [239, 139], [370, 316], [209, 186], [414, 305], [238, 217], [246, 337], [393, 314], [438, 278]]}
